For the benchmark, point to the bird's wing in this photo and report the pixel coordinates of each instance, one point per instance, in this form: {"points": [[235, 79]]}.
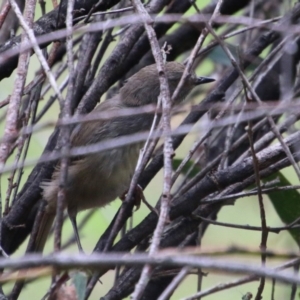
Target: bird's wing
{"points": [[88, 133], [92, 132]]}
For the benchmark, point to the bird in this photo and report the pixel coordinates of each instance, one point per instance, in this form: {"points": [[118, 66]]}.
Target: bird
{"points": [[96, 179]]}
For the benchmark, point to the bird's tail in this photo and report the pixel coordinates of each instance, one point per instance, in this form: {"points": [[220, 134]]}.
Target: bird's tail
{"points": [[42, 225]]}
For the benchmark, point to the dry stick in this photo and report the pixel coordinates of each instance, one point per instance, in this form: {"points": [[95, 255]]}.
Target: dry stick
{"points": [[264, 236], [102, 81], [4, 12], [197, 144], [186, 185], [144, 158], [64, 142], [230, 130], [286, 66], [212, 44], [251, 14], [294, 287], [48, 105], [97, 147], [251, 193], [174, 284], [248, 165], [40, 77], [163, 258], [35, 92], [65, 133], [104, 46], [61, 68], [12, 117], [264, 231], [133, 19], [43, 6], [194, 148], [195, 50], [87, 49], [29, 129], [256, 97], [34, 44], [30, 36], [224, 286], [168, 146], [19, 285], [149, 109], [227, 251], [62, 86], [267, 62], [15, 99], [273, 289], [200, 231], [221, 287], [261, 76], [194, 195], [259, 144], [254, 228], [267, 138], [126, 209], [112, 11], [277, 166], [145, 155], [189, 63], [31, 107], [109, 144], [260, 228], [268, 66], [264, 228]]}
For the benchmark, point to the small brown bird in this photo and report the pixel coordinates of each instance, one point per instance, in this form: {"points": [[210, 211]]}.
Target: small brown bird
{"points": [[97, 179]]}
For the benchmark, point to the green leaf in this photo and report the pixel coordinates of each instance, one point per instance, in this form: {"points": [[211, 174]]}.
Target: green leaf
{"points": [[79, 280], [189, 169], [218, 56], [286, 204]]}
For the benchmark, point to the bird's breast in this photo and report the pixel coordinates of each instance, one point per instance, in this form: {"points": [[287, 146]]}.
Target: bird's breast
{"points": [[102, 177]]}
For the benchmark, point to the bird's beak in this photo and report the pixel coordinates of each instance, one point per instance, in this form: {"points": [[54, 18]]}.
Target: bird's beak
{"points": [[201, 80]]}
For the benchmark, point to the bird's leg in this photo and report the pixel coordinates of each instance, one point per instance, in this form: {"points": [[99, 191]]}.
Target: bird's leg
{"points": [[72, 216], [138, 198], [140, 194]]}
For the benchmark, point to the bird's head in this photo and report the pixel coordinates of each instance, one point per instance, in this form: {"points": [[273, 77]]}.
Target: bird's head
{"points": [[143, 87]]}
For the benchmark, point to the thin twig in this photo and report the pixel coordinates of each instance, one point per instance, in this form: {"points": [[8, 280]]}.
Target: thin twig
{"points": [[65, 133], [174, 283], [35, 46], [256, 97], [165, 98], [3, 14]]}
